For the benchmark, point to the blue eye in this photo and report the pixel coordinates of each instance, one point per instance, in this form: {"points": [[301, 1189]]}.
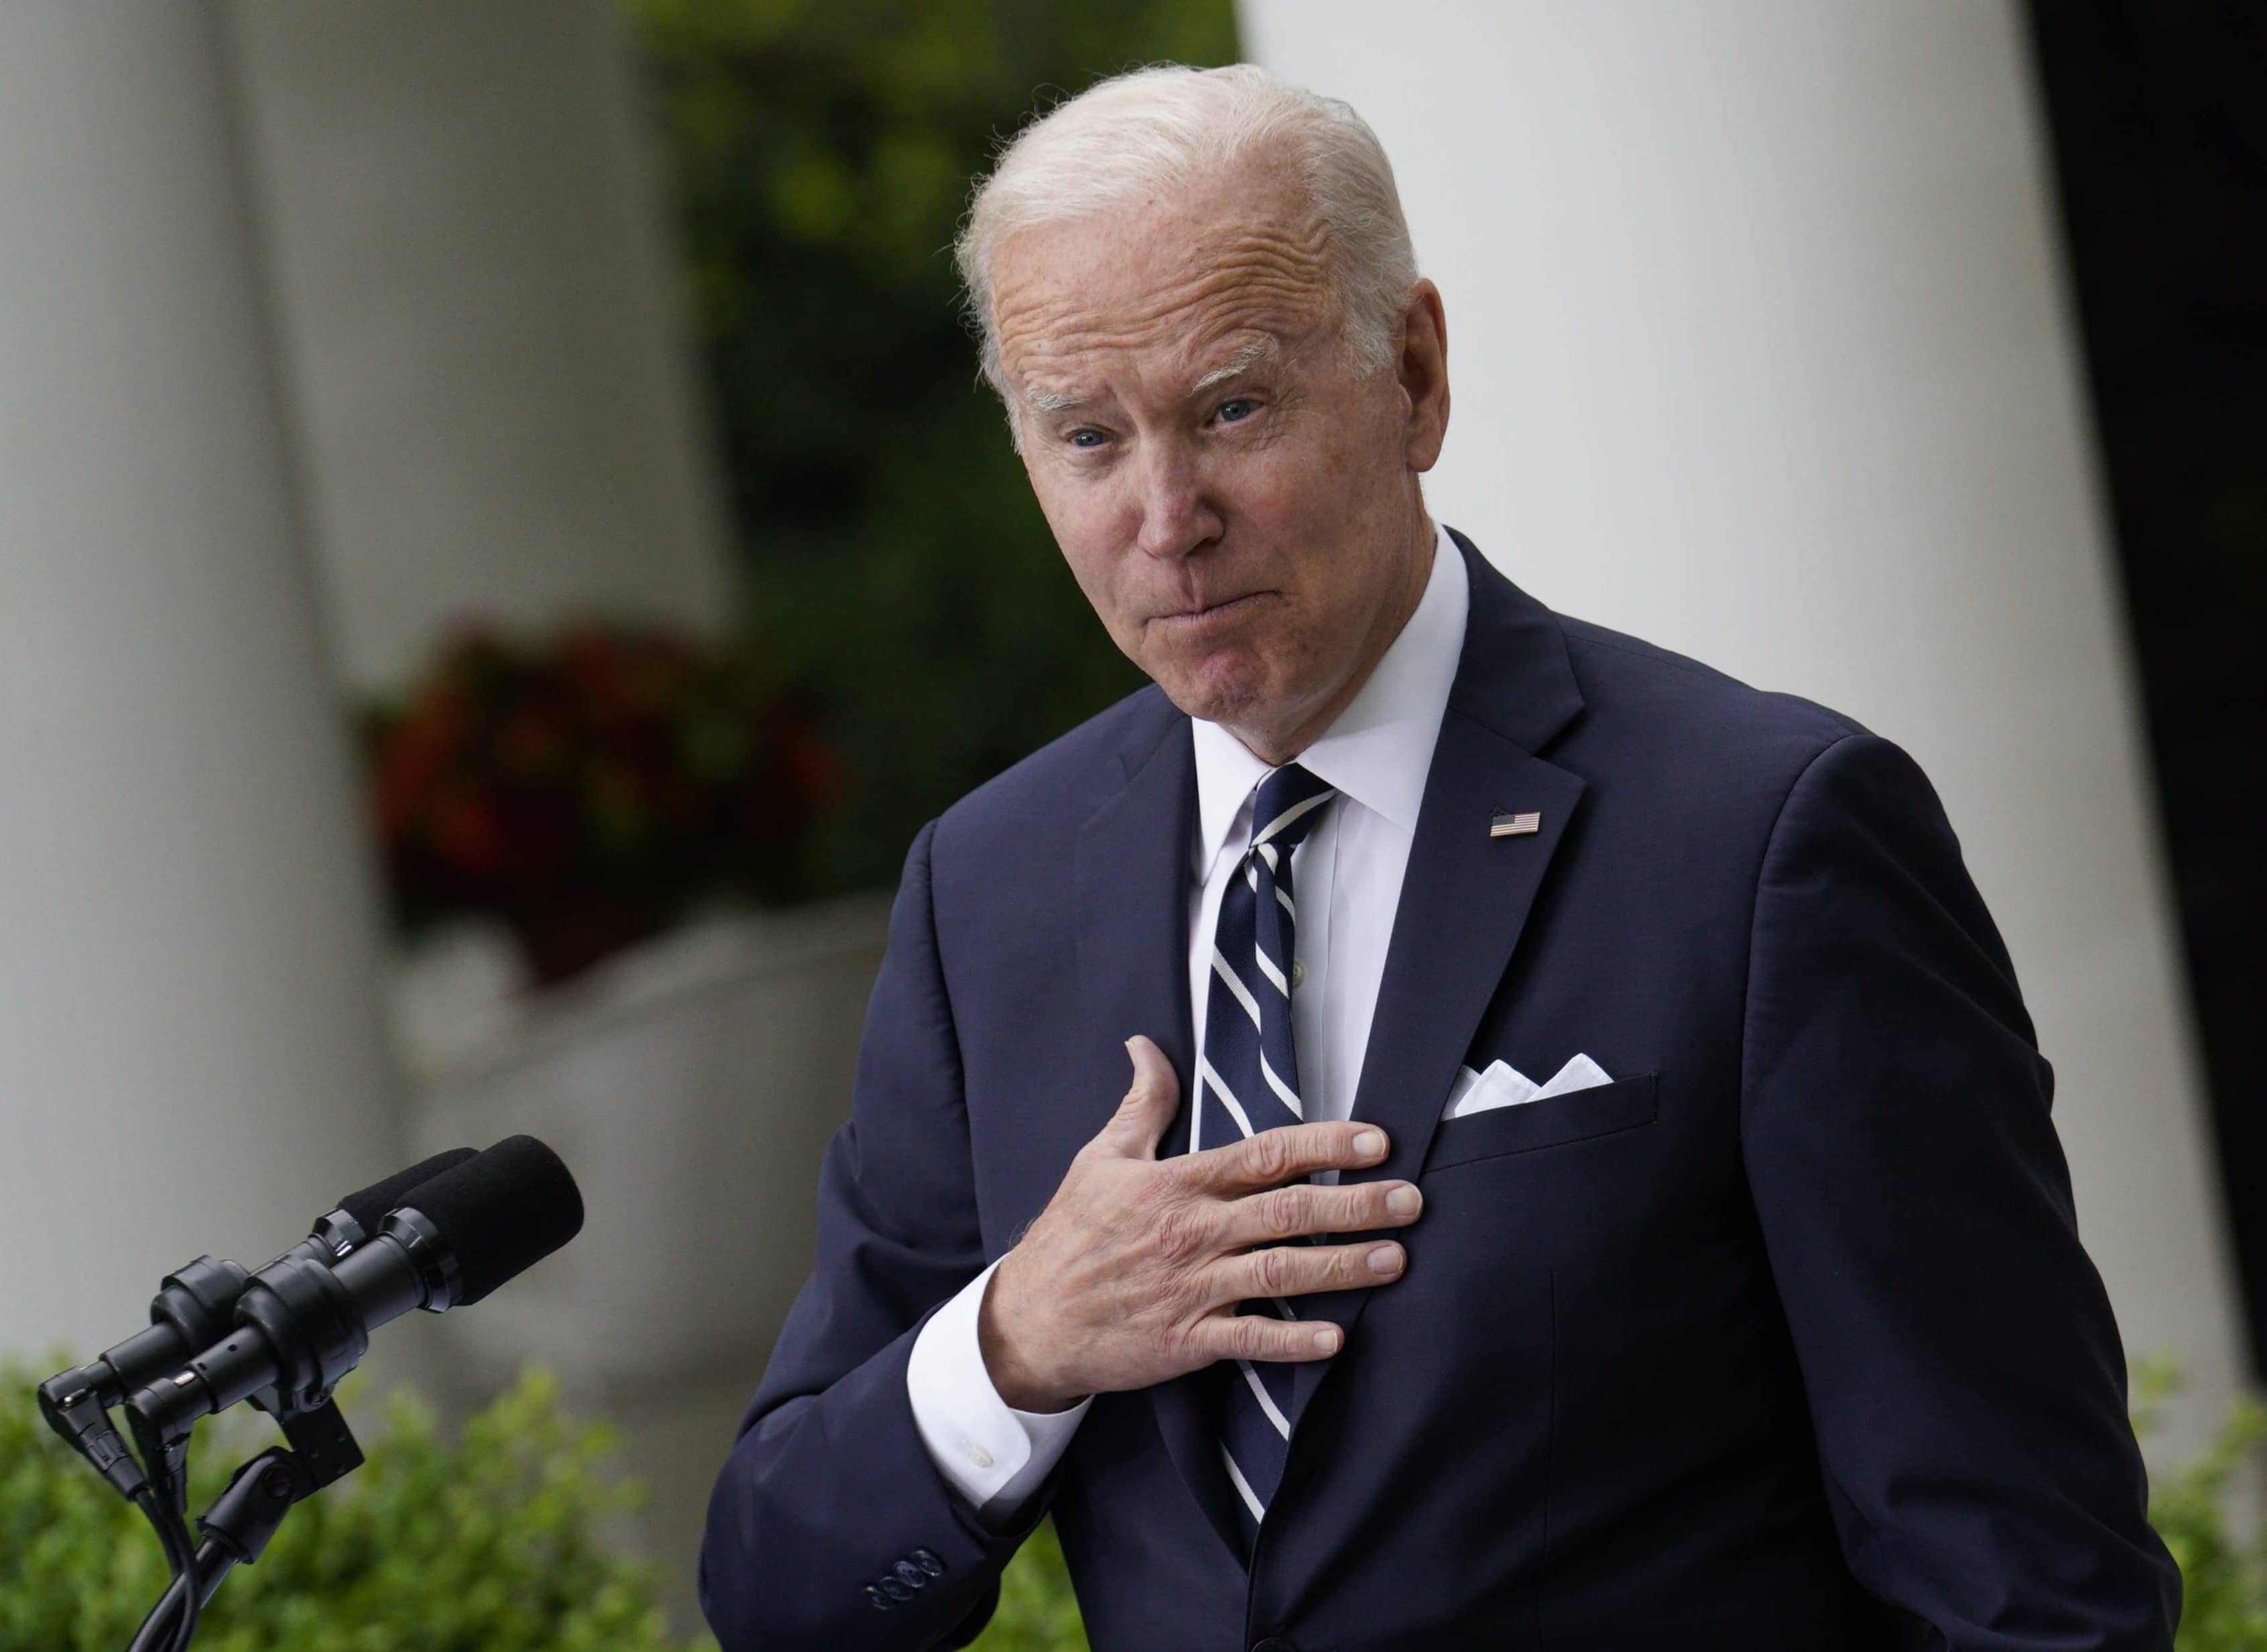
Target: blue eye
{"points": [[1234, 410], [1086, 438]]}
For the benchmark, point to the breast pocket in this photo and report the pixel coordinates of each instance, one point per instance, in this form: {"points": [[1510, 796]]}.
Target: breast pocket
{"points": [[1577, 1116]]}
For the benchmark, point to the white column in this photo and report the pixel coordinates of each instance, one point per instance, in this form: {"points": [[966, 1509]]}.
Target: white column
{"points": [[492, 400], [1761, 351], [190, 1053]]}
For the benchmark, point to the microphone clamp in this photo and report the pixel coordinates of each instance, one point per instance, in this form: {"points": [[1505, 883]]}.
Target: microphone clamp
{"points": [[440, 1278], [300, 1327]]}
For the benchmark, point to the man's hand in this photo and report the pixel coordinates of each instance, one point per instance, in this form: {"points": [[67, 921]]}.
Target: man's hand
{"points": [[1132, 1274]]}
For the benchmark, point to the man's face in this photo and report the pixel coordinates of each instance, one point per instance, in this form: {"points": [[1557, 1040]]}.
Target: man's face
{"points": [[1237, 501]]}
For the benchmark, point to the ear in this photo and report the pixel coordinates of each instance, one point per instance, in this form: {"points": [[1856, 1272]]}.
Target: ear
{"points": [[1423, 372]]}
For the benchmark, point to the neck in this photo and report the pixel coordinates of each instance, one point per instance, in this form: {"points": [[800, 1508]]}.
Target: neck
{"points": [[1275, 744]]}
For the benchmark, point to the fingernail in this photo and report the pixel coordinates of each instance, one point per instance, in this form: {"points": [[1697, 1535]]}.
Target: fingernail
{"points": [[1369, 1144], [1327, 1339], [1385, 1258], [1404, 1202]]}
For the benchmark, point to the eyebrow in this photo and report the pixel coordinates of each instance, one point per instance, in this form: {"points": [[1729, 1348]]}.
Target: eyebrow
{"points": [[1261, 352]]}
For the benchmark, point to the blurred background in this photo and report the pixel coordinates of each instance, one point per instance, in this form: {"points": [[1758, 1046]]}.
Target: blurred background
{"points": [[501, 546]]}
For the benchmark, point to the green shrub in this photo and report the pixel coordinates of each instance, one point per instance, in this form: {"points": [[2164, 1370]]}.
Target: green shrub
{"points": [[1038, 1612], [483, 1543], [2224, 1579]]}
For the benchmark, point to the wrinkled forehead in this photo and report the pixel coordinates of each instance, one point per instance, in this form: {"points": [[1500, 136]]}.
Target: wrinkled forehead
{"points": [[1172, 288]]}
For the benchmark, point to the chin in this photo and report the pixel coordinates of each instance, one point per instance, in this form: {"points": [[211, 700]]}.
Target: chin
{"points": [[1217, 692]]}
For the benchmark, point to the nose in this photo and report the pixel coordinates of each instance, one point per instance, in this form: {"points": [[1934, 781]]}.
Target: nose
{"points": [[1176, 512]]}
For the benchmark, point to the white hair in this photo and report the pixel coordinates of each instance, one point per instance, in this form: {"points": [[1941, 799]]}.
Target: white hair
{"points": [[1138, 133]]}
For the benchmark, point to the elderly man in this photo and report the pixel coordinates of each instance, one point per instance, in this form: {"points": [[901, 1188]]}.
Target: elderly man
{"points": [[1756, 1317]]}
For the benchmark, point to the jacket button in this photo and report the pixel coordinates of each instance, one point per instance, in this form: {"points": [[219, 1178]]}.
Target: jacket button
{"points": [[880, 1601], [893, 1588], [928, 1562], [910, 1574], [1273, 1644]]}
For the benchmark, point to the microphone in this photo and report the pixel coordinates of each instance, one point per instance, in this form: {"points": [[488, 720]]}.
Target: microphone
{"points": [[301, 1325], [195, 1307], [359, 1213]]}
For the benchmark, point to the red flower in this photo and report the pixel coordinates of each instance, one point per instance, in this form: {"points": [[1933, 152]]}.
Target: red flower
{"points": [[607, 770]]}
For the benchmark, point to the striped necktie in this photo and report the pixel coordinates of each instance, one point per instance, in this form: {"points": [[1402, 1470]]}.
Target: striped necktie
{"points": [[1248, 1080]]}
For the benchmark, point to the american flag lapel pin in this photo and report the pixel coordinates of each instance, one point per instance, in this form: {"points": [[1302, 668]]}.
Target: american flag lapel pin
{"points": [[1507, 824]]}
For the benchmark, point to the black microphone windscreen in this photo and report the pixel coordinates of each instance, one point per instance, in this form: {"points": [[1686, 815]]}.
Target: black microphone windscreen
{"points": [[369, 1206], [501, 1212]]}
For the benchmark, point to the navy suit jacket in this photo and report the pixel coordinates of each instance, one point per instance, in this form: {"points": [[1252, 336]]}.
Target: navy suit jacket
{"points": [[1782, 1340]]}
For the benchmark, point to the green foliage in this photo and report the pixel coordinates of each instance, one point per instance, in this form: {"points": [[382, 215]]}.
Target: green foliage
{"points": [[1038, 1612], [2224, 1580], [483, 1543], [895, 562]]}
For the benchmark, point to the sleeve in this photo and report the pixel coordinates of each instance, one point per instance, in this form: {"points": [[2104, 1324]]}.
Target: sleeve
{"points": [[830, 1529], [1966, 1382], [993, 1455]]}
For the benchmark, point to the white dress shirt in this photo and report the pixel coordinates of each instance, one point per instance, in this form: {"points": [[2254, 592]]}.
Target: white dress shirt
{"points": [[1346, 881]]}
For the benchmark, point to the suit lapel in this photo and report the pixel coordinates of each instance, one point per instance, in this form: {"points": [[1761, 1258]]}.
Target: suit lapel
{"points": [[1133, 880], [1466, 894], [1133, 883]]}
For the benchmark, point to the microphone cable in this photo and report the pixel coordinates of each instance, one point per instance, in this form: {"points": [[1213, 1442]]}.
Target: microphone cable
{"points": [[157, 1502]]}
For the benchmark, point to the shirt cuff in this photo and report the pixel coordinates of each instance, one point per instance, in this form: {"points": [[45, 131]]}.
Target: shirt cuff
{"points": [[993, 1454]]}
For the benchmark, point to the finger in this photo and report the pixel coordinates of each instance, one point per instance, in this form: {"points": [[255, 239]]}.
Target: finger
{"points": [[1155, 1096], [1265, 1336], [1292, 1270], [1301, 1208], [1285, 1154]]}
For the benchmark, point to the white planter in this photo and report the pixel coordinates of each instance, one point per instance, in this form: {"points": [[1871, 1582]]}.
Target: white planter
{"points": [[691, 1085]]}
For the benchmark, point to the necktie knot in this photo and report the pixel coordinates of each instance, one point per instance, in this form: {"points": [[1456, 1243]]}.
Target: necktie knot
{"points": [[1289, 803]]}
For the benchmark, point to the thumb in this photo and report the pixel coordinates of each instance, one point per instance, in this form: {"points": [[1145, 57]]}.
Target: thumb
{"points": [[1140, 1122]]}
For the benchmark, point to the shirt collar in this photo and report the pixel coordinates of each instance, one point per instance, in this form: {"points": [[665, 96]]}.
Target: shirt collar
{"points": [[1380, 749]]}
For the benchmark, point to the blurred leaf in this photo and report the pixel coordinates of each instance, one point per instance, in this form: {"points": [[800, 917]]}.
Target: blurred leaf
{"points": [[2223, 1582], [485, 1543], [1038, 1612]]}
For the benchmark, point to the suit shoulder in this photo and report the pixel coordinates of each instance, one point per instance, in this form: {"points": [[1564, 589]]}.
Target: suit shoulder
{"points": [[1063, 781], [1685, 716]]}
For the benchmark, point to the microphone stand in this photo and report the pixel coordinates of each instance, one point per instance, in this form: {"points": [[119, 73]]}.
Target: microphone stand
{"points": [[247, 1514]]}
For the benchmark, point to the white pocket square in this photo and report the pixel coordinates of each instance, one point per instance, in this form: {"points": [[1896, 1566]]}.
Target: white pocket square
{"points": [[1503, 1086]]}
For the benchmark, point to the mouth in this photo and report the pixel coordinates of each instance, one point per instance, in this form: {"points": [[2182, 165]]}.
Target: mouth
{"points": [[1210, 611]]}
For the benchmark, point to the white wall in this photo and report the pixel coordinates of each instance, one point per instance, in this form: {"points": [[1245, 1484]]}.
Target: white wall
{"points": [[1761, 351], [190, 1053], [476, 305]]}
